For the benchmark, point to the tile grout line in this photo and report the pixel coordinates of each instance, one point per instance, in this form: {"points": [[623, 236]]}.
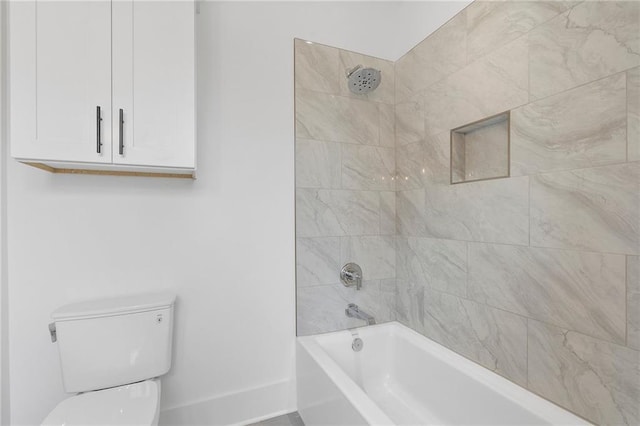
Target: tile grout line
{"points": [[581, 85], [346, 96], [529, 63], [485, 55], [578, 168], [626, 117], [529, 183], [426, 186], [518, 245], [331, 141], [546, 322], [468, 274], [527, 356]]}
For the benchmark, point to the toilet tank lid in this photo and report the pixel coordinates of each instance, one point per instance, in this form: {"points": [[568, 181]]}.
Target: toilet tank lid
{"points": [[114, 306]]}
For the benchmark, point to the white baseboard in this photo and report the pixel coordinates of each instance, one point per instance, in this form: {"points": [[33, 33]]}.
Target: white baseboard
{"points": [[238, 408]]}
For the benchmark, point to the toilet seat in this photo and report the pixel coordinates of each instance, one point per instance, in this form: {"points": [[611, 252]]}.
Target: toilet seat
{"points": [[134, 404]]}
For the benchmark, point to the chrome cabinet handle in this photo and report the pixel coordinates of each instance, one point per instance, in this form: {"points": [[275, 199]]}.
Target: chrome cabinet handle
{"points": [[99, 130], [121, 132]]}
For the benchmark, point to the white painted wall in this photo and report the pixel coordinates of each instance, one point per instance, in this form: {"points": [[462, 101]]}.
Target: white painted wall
{"points": [[224, 243], [4, 326]]}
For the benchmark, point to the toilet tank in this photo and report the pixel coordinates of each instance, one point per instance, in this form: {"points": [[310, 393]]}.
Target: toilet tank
{"points": [[113, 342]]}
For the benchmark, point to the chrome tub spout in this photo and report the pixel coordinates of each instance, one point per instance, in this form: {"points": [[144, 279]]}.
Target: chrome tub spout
{"points": [[353, 311]]}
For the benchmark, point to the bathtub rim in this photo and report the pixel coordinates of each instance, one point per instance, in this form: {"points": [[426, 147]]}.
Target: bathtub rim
{"points": [[542, 407], [365, 406]]}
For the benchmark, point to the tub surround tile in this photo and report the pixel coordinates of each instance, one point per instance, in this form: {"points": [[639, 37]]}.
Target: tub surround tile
{"points": [[633, 302], [498, 271], [423, 163], [316, 67], [387, 213], [410, 211], [493, 338], [381, 306], [321, 308], [317, 260], [318, 164], [326, 213], [574, 290], [410, 161], [633, 114], [322, 68], [495, 83], [410, 305], [433, 59], [435, 264], [590, 41], [375, 255], [492, 24], [594, 209], [336, 118], [345, 186], [371, 299], [598, 380], [385, 91], [368, 167], [388, 285], [409, 117], [490, 211], [436, 159], [387, 125], [582, 127]]}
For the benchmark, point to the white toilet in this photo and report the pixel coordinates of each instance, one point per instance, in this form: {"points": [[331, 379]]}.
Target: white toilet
{"points": [[112, 353]]}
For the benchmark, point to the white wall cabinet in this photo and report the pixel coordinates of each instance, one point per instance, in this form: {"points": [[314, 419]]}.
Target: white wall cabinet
{"points": [[103, 86]]}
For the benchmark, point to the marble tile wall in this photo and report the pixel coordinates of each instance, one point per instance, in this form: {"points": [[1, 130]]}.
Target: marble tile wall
{"points": [[345, 188], [535, 276]]}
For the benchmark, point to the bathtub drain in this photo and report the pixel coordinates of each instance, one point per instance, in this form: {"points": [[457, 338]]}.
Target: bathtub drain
{"points": [[357, 344]]}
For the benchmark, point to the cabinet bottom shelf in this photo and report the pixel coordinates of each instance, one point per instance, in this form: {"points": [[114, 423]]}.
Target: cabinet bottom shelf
{"points": [[86, 169]]}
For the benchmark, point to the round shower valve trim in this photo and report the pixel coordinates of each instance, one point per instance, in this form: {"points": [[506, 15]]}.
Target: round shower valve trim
{"points": [[351, 275]]}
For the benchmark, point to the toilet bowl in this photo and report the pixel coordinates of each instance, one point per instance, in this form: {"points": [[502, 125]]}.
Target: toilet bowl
{"points": [[112, 353], [134, 404]]}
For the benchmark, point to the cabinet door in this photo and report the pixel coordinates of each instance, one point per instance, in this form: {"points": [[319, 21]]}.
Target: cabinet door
{"points": [[60, 73], [154, 83]]}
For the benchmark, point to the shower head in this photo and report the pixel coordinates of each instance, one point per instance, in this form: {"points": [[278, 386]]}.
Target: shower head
{"points": [[363, 80]]}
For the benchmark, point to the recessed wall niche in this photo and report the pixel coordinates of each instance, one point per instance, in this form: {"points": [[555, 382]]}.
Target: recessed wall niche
{"points": [[480, 150]]}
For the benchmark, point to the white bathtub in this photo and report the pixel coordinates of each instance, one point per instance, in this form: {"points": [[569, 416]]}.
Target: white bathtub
{"points": [[402, 378]]}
